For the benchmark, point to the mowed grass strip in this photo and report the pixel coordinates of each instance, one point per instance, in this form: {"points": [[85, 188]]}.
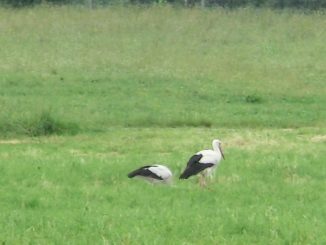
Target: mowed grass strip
{"points": [[74, 189], [161, 67]]}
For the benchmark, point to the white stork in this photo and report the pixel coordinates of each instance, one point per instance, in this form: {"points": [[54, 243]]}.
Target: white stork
{"points": [[204, 162], [153, 173]]}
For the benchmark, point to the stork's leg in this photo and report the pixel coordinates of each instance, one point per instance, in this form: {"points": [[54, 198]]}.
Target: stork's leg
{"points": [[202, 181]]}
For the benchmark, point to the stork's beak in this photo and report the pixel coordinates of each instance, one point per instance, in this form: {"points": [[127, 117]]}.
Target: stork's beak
{"points": [[221, 151]]}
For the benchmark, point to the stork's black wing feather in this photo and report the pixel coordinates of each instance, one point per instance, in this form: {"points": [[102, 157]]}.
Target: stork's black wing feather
{"points": [[144, 172], [194, 159], [194, 166]]}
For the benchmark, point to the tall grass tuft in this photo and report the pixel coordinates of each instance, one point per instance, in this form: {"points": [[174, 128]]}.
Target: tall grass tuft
{"points": [[46, 124], [39, 125], [253, 98]]}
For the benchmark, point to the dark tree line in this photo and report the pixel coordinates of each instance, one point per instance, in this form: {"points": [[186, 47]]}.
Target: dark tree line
{"points": [[301, 4]]}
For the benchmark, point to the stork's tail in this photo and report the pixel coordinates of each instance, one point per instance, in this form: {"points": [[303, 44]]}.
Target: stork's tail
{"points": [[185, 175], [133, 173]]}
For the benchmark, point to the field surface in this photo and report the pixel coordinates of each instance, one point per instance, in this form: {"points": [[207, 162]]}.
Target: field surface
{"points": [[162, 67], [87, 96]]}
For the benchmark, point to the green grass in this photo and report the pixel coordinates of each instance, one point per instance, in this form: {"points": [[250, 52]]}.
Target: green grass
{"points": [[160, 66], [88, 95], [74, 189]]}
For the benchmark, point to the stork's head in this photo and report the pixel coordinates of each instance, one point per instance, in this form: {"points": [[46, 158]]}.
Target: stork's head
{"points": [[217, 146]]}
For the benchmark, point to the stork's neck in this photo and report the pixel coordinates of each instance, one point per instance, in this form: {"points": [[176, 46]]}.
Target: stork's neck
{"points": [[216, 147]]}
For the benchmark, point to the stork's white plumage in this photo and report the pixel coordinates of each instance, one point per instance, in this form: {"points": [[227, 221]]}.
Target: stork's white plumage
{"points": [[204, 162], [154, 173]]}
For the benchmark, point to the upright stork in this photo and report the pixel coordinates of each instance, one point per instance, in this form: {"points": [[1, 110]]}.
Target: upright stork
{"points": [[204, 163]]}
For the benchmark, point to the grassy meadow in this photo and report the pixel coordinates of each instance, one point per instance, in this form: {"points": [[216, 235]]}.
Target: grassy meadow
{"points": [[162, 67], [88, 95]]}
